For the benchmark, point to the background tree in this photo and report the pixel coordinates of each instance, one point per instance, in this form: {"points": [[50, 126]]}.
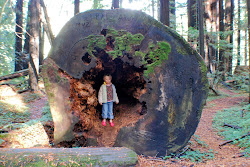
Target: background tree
{"points": [[192, 22], [115, 4], [229, 15], [201, 27], [164, 12], [77, 6], [172, 14], [19, 35], [248, 16], [34, 45], [221, 33], [238, 36]]}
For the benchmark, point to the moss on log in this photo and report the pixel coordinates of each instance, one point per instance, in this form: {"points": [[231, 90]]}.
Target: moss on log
{"points": [[160, 80]]}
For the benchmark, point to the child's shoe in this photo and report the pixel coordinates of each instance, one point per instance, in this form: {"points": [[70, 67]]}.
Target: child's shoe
{"points": [[111, 123], [104, 123]]}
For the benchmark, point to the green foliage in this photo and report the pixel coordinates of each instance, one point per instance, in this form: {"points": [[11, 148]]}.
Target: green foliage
{"points": [[7, 38], [195, 155], [239, 116], [46, 114], [10, 114]]}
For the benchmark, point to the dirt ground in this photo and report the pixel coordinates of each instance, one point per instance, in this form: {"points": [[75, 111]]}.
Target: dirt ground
{"points": [[224, 156]]}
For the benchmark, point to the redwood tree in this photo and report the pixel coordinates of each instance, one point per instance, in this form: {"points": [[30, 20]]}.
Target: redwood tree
{"points": [[172, 11], [34, 45], [19, 35], [238, 36], [248, 15], [229, 15], [201, 27], [221, 32], [164, 12], [192, 20], [77, 6]]}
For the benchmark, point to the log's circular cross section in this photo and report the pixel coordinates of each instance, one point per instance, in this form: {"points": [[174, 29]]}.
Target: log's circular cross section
{"points": [[160, 80]]}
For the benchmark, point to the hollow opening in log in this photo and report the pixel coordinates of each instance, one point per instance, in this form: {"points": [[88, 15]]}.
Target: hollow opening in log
{"points": [[130, 86]]}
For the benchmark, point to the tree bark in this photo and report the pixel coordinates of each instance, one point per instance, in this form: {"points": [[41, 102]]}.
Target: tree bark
{"points": [[229, 15], [248, 27], [50, 32], [221, 33], [172, 17], [201, 27], [238, 37], [161, 92], [192, 20], [153, 8], [19, 35], [164, 12], [77, 7], [34, 46], [115, 4], [41, 45]]}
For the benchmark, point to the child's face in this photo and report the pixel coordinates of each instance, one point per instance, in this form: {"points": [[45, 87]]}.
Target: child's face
{"points": [[107, 79]]}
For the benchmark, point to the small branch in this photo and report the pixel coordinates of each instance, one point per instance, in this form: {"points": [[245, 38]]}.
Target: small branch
{"points": [[215, 92], [240, 155], [183, 151], [229, 141], [232, 126]]}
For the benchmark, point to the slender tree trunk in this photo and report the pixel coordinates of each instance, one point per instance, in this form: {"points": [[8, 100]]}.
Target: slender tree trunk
{"points": [[172, 16], [19, 35], [201, 27], [34, 46], [221, 33], [153, 8], [50, 34], [41, 45], [115, 4], [229, 14], [192, 20], [26, 47], [164, 12], [248, 15], [214, 55], [238, 34], [77, 6]]}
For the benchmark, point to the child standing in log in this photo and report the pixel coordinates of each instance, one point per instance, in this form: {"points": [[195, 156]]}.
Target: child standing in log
{"points": [[106, 96]]}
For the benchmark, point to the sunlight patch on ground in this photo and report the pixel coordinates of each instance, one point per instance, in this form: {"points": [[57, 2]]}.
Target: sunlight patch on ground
{"points": [[11, 101]]}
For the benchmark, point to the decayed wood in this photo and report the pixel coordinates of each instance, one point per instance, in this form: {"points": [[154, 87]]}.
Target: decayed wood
{"points": [[229, 141], [14, 75], [232, 126]]}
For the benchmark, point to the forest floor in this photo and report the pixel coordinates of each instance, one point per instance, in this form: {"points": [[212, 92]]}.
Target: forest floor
{"points": [[227, 155]]}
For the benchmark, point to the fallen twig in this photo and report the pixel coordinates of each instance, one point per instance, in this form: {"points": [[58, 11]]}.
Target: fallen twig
{"points": [[229, 141], [232, 126], [240, 155]]}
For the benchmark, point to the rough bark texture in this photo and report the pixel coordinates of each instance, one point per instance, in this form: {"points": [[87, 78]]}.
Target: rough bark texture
{"points": [[164, 12], [160, 80], [34, 45], [19, 35]]}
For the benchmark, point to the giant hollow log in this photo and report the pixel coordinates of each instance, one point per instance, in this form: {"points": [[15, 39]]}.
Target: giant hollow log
{"points": [[160, 81]]}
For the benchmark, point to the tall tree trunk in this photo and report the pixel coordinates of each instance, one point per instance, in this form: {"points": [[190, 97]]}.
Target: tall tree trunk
{"points": [[34, 45], [238, 36], [248, 15], [77, 6], [153, 8], [229, 15], [213, 49], [19, 35], [192, 19], [164, 12], [221, 32], [115, 4], [172, 16], [50, 34], [201, 27], [41, 45]]}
